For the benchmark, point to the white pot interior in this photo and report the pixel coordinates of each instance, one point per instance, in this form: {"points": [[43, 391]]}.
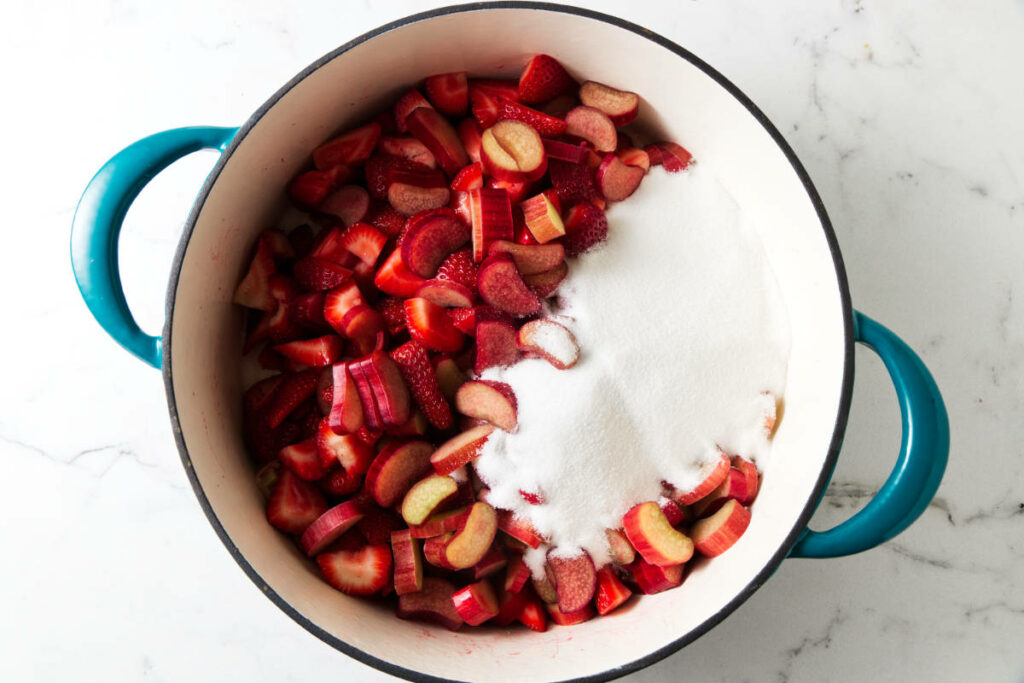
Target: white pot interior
{"points": [[682, 103]]}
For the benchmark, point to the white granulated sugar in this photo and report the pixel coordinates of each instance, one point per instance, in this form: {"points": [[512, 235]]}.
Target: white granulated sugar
{"points": [[681, 328]]}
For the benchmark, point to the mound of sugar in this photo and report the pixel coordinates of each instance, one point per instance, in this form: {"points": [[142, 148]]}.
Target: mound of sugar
{"points": [[681, 328]]}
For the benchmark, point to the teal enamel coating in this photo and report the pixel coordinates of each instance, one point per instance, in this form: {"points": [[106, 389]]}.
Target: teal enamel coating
{"points": [[924, 451], [97, 226]]}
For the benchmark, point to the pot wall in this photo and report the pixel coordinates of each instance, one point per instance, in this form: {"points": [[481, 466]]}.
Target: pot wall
{"points": [[681, 102]]}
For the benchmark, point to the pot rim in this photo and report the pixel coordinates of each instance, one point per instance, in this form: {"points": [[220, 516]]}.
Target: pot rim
{"points": [[826, 225]]}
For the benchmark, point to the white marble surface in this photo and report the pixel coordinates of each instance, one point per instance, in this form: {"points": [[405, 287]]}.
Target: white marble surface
{"points": [[907, 115]]}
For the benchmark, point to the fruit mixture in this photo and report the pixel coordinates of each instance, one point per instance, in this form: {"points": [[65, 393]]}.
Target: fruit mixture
{"points": [[444, 226]]}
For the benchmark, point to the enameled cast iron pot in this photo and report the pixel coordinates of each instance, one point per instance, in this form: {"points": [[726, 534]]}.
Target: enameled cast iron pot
{"points": [[685, 100]]}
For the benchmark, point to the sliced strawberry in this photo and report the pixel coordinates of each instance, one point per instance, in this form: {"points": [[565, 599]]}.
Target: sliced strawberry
{"points": [[365, 241], [380, 166], [561, 618], [351, 148], [573, 183], [519, 528], [421, 379], [469, 178], [313, 352], [585, 227], [459, 267], [301, 458], [407, 147], [259, 394], [289, 394], [378, 524], [357, 572], [385, 218], [393, 311], [516, 189], [486, 106], [294, 504], [339, 302], [544, 79], [651, 578], [309, 189], [430, 326], [547, 126], [395, 278], [405, 105], [301, 239], [464, 319], [339, 483], [352, 453], [469, 133], [510, 605], [449, 93], [533, 616], [318, 274], [505, 88], [254, 289]]}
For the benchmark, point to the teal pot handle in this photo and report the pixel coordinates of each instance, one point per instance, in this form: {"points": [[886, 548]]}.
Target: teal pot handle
{"points": [[97, 226], [924, 451]]}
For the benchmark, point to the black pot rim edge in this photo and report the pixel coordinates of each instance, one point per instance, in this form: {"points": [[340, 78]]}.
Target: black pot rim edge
{"points": [[847, 384]]}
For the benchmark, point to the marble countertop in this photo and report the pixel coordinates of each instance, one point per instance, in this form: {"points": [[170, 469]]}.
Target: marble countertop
{"points": [[908, 117]]}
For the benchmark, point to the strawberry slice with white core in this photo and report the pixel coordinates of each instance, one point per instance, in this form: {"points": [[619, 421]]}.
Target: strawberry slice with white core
{"points": [[309, 189], [350, 203], [564, 151], [651, 578], [460, 449], [338, 302], [430, 238], [594, 126], [647, 528], [500, 285], [633, 156], [434, 131], [674, 157], [357, 572], [575, 580], [407, 147], [430, 326], [449, 93], [446, 293], [621, 106], [712, 473], [549, 340], [513, 151], [396, 468], [530, 259], [510, 605], [673, 513], [476, 603], [545, 124], [394, 278], [346, 413], [302, 459], [469, 178], [408, 559], [329, 526], [319, 274], [459, 267], [470, 135], [544, 79], [493, 402], [490, 212], [542, 218], [441, 523], [426, 496], [362, 324], [364, 241], [519, 528], [317, 352], [585, 228], [611, 592], [751, 483], [406, 104], [716, 534], [254, 289], [619, 548], [350, 148], [516, 574], [351, 452], [616, 180], [294, 504], [545, 284], [432, 603], [470, 543], [561, 618]]}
